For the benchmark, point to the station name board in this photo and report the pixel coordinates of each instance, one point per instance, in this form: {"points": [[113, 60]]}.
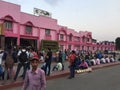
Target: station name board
{"points": [[39, 12]]}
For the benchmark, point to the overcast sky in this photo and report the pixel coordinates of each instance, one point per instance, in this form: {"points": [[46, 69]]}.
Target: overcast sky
{"points": [[101, 17]]}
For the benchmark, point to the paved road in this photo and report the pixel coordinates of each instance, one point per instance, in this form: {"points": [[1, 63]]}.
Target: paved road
{"points": [[101, 79]]}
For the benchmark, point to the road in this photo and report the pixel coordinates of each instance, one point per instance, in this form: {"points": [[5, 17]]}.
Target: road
{"points": [[101, 79]]}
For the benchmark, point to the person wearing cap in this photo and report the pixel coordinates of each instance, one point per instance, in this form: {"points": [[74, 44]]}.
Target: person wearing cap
{"points": [[35, 77]]}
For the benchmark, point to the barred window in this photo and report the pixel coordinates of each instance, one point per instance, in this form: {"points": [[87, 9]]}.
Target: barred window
{"points": [[70, 38], [47, 31], [8, 24], [69, 47], [61, 37], [28, 29]]}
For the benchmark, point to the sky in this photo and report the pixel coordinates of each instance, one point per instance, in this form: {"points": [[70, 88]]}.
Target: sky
{"points": [[101, 17]]}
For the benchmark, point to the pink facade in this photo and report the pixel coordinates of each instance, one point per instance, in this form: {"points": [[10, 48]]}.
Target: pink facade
{"points": [[20, 26]]}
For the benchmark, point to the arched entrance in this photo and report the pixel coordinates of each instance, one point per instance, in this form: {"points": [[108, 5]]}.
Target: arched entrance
{"points": [[28, 42]]}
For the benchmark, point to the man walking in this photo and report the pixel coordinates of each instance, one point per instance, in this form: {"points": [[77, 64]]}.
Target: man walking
{"points": [[23, 60], [48, 61]]}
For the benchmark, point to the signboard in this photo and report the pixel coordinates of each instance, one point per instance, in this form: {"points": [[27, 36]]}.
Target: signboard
{"points": [[1, 29], [45, 44], [39, 12]]}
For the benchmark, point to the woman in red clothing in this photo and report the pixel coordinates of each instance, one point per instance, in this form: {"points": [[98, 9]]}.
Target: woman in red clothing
{"points": [[72, 58]]}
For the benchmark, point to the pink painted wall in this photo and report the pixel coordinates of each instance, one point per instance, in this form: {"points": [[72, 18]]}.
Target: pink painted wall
{"points": [[10, 9], [40, 23]]}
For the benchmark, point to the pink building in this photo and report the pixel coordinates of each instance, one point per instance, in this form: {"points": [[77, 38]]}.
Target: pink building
{"points": [[19, 28]]}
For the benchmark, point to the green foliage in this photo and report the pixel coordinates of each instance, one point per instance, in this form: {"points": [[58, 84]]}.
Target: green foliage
{"points": [[117, 42]]}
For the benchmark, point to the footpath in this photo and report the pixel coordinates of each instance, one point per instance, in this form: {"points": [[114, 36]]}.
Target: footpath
{"points": [[54, 75]]}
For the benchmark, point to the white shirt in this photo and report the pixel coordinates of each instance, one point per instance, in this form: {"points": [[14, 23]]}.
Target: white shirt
{"points": [[19, 52], [59, 66], [1, 55]]}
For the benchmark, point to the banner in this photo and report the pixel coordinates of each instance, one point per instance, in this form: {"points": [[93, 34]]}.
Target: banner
{"points": [[1, 29], [39, 12]]}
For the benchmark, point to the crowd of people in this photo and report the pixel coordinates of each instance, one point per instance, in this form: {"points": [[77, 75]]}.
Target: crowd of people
{"points": [[25, 57], [80, 61]]}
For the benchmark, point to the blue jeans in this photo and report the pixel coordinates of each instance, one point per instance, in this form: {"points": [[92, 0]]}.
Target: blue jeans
{"points": [[8, 74], [72, 71], [47, 66], [20, 65], [1, 73]]}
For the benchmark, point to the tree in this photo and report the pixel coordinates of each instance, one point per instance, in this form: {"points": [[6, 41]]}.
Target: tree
{"points": [[117, 42]]}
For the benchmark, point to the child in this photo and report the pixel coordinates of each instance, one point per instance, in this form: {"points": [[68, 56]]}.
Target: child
{"points": [[35, 78]]}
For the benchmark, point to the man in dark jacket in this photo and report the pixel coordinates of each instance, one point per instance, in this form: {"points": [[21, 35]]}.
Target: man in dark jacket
{"points": [[48, 60]]}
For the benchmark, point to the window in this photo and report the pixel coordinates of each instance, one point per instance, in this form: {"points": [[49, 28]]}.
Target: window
{"points": [[88, 47], [88, 39], [47, 31], [77, 39], [61, 47], [69, 47], [28, 29], [82, 47], [61, 37], [70, 38], [83, 39], [8, 25]]}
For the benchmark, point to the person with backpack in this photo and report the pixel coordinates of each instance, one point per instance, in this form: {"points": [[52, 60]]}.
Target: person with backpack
{"points": [[72, 58], [22, 62]]}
